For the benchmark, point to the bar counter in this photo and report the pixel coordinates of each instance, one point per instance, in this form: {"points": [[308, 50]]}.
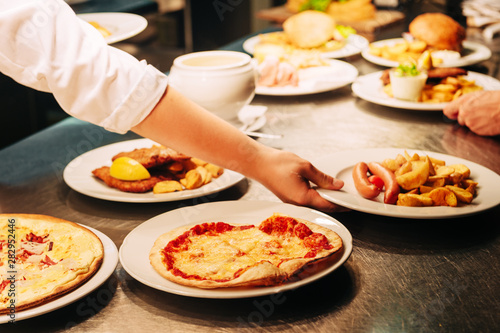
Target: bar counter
{"points": [[404, 275]]}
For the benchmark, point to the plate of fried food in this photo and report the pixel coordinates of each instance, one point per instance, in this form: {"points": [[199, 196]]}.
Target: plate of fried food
{"points": [[310, 31], [115, 27], [436, 33], [441, 86], [144, 171], [412, 184]]}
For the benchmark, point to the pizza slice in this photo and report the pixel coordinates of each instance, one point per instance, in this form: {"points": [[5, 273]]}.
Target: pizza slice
{"points": [[42, 258], [218, 254]]}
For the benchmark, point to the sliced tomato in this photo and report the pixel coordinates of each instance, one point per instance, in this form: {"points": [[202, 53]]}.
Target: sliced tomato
{"points": [[377, 181]]}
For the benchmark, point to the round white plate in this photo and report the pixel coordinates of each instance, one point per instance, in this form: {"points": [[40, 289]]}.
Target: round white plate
{"points": [[473, 54], [121, 25], [107, 268], [354, 45], [78, 175], [314, 80], [340, 165], [134, 252], [370, 88]]}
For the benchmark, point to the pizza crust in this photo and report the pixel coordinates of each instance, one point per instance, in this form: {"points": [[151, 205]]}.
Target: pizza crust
{"points": [[82, 250], [262, 273]]}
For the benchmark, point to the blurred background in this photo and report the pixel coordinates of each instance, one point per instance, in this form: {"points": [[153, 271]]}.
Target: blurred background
{"points": [[174, 27]]}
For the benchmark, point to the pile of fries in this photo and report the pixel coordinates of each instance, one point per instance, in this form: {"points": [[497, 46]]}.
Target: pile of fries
{"points": [[404, 51], [447, 90], [190, 174], [426, 181]]}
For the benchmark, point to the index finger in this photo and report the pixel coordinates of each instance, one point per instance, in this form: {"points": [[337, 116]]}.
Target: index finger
{"points": [[321, 179]]}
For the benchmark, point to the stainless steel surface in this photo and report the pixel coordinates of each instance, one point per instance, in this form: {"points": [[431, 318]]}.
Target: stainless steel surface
{"points": [[403, 275]]}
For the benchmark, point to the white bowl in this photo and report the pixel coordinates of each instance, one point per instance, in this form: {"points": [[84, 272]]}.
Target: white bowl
{"points": [[222, 82]]}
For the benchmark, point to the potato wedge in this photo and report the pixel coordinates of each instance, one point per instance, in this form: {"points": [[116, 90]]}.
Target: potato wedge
{"points": [[405, 168], [193, 180], [205, 175], [416, 177], [460, 168], [215, 170], [444, 171], [461, 194], [167, 186], [197, 161], [413, 200], [443, 197]]}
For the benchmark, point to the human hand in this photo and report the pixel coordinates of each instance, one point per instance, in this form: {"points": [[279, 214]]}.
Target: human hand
{"points": [[289, 176], [479, 111]]}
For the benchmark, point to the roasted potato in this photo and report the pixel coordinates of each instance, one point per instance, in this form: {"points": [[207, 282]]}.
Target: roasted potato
{"points": [[416, 177], [427, 181]]}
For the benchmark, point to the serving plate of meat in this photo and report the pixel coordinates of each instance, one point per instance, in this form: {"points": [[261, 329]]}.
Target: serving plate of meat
{"points": [[89, 174]]}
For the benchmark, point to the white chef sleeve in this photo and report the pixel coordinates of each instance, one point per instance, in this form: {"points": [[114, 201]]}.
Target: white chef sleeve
{"points": [[46, 47]]}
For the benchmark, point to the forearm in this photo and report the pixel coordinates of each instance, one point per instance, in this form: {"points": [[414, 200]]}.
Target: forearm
{"points": [[182, 125]]}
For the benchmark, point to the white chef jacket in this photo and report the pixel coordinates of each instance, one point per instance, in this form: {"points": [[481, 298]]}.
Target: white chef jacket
{"points": [[46, 47]]}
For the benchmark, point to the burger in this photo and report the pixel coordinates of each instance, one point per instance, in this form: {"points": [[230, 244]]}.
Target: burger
{"points": [[345, 11], [309, 29], [438, 31]]}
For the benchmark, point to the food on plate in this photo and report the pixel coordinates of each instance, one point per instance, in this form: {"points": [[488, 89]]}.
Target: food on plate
{"points": [[126, 168], [308, 30], [43, 258], [438, 31], [442, 84], [104, 32], [423, 181], [154, 156], [221, 255], [274, 73], [389, 179], [158, 169], [407, 82], [363, 184], [341, 10], [434, 32], [305, 36]]}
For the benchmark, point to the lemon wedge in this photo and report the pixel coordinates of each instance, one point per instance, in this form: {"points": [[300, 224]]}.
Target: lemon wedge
{"points": [[126, 168], [424, 62]]}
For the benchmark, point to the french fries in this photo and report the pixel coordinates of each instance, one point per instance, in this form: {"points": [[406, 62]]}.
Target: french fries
{"points": [[447, 90], [426, 181], [191, 174], [404, 51]]}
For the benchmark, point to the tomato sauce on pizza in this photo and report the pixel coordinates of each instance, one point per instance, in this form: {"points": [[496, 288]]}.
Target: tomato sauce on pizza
{"points": [[219, 254]]}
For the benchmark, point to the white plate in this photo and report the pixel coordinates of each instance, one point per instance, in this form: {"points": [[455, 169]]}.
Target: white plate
{"points": [[121, 25], [107, 268], [314, 80], [473, 54], [134, 252], [354, 45], [78, 176], [340, 165], [369, 87]]}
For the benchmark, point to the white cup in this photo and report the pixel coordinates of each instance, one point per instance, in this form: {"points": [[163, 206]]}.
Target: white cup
{"points": [[407, 88], [222, 82]]}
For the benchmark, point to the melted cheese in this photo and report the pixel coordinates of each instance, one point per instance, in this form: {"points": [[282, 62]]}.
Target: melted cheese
{"points": [[72, 250], [220, 257]]}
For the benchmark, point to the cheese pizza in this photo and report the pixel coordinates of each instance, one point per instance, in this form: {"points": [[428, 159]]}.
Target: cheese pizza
{"points": [[42, 258], [218, 254]]}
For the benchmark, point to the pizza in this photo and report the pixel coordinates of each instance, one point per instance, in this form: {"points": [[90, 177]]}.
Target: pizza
{"points": [[42, 258], [220, 255]]}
